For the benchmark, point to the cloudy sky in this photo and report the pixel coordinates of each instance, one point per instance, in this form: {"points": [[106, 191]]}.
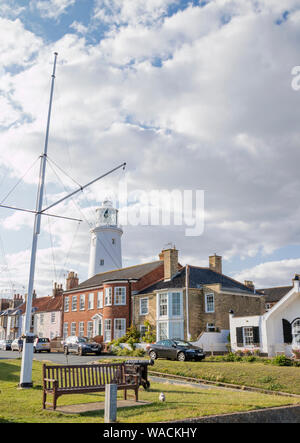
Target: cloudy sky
{"points": [[193, 95]]}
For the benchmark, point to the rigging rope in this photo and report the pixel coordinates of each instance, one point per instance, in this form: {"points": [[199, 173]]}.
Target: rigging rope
{"points": [[18, 182]]}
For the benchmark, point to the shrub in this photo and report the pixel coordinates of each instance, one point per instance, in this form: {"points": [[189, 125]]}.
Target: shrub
{"points": [[230, 357], [150, 334], [281, 360]]}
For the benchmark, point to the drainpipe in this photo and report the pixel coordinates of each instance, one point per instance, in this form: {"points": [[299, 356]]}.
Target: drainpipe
{"points": [[187, 302]]}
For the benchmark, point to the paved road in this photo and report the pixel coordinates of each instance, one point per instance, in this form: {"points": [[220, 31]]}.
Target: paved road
{"points": [[57, 357]]}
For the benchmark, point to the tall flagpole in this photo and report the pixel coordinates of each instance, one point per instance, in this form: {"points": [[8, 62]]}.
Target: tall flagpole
{"points": [[27, 355]]}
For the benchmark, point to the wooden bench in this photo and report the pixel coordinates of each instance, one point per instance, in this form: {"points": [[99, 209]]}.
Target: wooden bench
{"points": [[83, 379]]}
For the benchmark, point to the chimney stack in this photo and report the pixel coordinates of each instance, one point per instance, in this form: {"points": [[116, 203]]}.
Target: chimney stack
{"points": [[215, 263], [170, 259], [72, 281], [57, 290], [249, 284]]}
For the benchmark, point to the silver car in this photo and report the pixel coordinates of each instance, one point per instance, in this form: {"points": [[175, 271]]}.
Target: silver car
{"points": [[17, 345], [5, 345], [41, 344]]}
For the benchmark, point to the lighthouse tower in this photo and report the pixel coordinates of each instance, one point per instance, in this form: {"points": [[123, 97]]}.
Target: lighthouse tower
{"points": [[105, 251]]}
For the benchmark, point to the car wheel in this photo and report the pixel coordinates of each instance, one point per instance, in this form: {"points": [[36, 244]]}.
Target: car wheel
{"points": [[98, 353], [153, 355], [181, 356], [66, 352]]}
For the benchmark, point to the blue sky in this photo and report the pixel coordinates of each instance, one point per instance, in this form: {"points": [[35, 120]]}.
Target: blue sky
{"points": [[192, 94]]}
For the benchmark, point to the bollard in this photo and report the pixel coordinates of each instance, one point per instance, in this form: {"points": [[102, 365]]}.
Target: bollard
{"points": [[110, 408]]}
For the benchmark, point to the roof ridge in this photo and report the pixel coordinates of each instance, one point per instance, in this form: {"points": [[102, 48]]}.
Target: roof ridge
{"points": [[127, 267], [223, 275], [275, 287]]}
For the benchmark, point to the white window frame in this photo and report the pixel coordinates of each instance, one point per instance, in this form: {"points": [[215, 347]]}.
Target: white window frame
{"points": [[248, 336], [81, 329], [122, 330], [160, 337], [165, 295], [90, 329], [100, 300], [208, 310], [74, 297], [144, 311], [296, 333], [120, 299], [91, 297], [53, 317], [108, 297], [67, 304], [82, 302], [107, 333], [66, 330], [73, 329]]}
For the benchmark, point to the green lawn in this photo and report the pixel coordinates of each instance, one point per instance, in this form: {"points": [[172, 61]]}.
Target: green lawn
{"points": [[181, 402], [260, 375]]}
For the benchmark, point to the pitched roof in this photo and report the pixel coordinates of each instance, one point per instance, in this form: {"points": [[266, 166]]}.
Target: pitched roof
{"points": [[44, 304], [197, 278], [130, 273], [275, 294]]}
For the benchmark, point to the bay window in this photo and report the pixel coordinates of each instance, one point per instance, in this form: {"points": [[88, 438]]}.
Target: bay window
{"points": [[120, 295]]}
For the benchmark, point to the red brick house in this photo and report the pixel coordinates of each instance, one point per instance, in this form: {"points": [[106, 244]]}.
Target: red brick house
{"points": [[102, 305]]}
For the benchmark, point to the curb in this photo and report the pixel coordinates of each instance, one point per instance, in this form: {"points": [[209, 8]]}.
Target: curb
{"points": [[222, 384]]}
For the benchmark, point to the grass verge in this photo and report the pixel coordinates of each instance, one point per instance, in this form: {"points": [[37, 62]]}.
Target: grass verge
{"points": [[258, 375], [181, 402]]}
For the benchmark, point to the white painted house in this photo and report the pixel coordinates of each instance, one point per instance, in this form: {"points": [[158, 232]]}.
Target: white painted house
{"points": [[275, 332]]}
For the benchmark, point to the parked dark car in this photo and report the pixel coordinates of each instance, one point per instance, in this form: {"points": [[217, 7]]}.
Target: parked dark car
{"points": [[17, 345], [175, 349], [81, 346], [5, 345]]}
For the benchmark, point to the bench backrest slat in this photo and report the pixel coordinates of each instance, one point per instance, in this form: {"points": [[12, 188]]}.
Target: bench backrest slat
{"points": [[84, 376]]}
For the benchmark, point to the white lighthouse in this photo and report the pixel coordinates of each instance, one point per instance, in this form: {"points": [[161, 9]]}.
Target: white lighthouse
{"points": [[106, 251]]}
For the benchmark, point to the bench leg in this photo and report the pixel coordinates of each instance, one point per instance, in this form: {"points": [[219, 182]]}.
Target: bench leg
{"points": [[137, 394], [54, 401], [44, 399], [125, 394]]}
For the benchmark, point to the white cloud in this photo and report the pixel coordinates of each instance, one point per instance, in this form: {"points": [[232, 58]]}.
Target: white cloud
{"points": [[219, 115], [79, 27], [52, 8], [120, 12], [18, 45], [270, 274]]}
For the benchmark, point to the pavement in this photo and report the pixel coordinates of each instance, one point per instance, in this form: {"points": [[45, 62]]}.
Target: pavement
{"points": [[58, 357], [98, 406]]}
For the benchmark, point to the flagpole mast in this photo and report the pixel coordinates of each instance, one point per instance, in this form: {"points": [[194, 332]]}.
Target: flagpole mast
{"points": [[27, 355]]}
